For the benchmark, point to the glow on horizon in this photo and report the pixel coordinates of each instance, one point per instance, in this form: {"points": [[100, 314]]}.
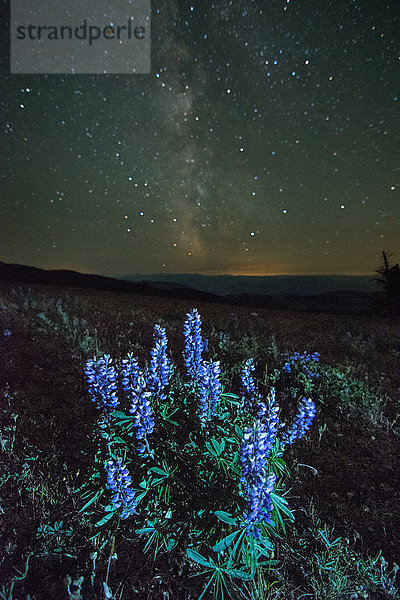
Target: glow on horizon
{"points": [[206, 273]]}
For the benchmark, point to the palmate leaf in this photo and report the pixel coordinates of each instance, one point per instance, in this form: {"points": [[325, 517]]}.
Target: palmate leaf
{"points": [[279, 466], [123, 420], [281, 507], [239, 432], [216, 448], [219, 446], [232, 398]]}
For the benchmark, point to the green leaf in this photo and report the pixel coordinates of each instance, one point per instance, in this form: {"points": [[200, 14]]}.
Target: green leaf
{"points": [[140, 497], [219, 447], [264, 546], [198, 558], [225, 517], [241, 574], [144, 530], [171, 544], [229, 396], [119, 440], [279, 465], [281, 506], [159, 471], [104, 519], [225, 415], [225, 542], [233, 553], [92, 499], [239, 431], [253, 557], [118, 414], [210, 448]]}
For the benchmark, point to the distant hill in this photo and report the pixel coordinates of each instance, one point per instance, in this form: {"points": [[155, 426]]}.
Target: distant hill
{"points": [[22, 274], [281, 285], [280, 293]]}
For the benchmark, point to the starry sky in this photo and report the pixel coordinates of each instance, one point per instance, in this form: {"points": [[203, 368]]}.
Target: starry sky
{"points": [[263, 142]]}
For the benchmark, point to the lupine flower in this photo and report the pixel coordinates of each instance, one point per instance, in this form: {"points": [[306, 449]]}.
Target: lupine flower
{"points": [[251, 396], [141, 410], [258, 484], [160, 364], [129, 372], [101, 377], [118, 480], [134, 385], [301, 361], [215, 388], [194, 345], [203, 394], [210, 390], [301, 423]]}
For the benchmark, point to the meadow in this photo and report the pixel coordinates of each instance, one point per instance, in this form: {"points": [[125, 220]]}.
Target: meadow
{"points": [[225, 453]]}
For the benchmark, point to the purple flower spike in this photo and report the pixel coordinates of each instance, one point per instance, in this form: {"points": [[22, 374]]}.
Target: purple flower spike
{"points": [[118, 480], [258, 484], [194, 345], [301, 423], [130, 372], [251, 397], [210, 390], [160, 364], [101, 377], [135, 387]]}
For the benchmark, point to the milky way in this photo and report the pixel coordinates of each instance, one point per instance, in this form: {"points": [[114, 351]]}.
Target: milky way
{"points": [[264, 141]]}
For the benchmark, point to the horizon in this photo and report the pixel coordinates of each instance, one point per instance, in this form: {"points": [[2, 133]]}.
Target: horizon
{"points": [[222, 285], [205, 274]]}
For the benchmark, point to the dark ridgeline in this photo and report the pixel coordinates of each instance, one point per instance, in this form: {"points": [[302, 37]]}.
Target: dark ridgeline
{"points": [[348, 302], [13, 273]]}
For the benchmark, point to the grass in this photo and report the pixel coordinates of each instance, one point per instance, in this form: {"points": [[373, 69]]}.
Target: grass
{"points": [[344, 477]]}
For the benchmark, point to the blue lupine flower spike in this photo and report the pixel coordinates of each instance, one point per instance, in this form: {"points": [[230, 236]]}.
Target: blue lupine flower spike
{"points": [[118, 480], [301, 423], [135, 386], [159, 364], [210, 390], [102, 379], [258, 484], [251, 396], [194, 345]]}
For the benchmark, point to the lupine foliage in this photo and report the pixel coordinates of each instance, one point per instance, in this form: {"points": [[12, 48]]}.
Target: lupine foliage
{"points": [[206, 483]]}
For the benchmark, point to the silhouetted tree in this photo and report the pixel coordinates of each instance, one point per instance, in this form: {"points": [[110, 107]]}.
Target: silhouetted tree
{"points": [[390, 281]]}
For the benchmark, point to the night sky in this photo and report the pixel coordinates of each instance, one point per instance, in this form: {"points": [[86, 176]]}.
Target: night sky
{"points": [[264, 141]]}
